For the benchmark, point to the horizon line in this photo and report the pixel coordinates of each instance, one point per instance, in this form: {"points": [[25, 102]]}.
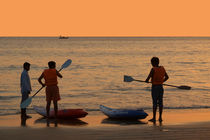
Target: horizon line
{"points": [[109, 36]]}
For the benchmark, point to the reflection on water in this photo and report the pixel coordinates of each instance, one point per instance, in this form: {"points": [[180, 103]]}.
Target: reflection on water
{"points": [[23, 121], [123, 121], [156, 123], [64, 122]]}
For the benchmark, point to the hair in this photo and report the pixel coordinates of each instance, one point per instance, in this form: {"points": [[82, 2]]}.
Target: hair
{"points": [[26, 64], [155, 61], [51, 64]]}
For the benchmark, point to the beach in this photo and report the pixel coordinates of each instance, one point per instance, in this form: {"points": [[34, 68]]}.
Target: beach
{"points": [[185, 124]]}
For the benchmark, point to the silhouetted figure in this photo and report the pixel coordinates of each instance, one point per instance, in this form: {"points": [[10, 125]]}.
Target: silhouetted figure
{"points": [[25, 85], [158, 75], [52, 91]]}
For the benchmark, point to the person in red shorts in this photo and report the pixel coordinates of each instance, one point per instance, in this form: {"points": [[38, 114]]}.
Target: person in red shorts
{"points": [[52, 91]]}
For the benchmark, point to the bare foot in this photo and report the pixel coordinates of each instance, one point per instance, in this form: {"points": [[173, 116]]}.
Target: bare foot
{"points": [[152, 120], [160, 119]]}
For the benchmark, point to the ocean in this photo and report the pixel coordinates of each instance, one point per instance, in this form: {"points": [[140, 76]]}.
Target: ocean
{"points": [[98, 66]]}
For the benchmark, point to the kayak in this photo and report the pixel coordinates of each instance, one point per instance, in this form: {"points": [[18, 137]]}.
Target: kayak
{"points": [[123, 113], [63, 113]]}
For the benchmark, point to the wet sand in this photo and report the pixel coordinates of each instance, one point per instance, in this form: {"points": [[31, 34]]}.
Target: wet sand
{"points": [[184, 124]]}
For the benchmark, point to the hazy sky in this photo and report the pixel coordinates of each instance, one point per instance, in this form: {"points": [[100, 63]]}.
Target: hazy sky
{"points": [[105, 17]]}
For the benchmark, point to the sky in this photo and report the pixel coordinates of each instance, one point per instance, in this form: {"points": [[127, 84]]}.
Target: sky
{"points": [[104, 17]]}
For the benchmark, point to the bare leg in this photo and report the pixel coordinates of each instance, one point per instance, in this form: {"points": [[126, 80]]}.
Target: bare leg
{"points": [[23, 112], [160, 113], [48, 108], [154, 115], [48, 122], [55, 108]]}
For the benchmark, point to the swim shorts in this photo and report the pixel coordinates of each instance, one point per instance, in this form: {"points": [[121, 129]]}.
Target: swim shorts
{"points": [[52, 93], [157, 95]]}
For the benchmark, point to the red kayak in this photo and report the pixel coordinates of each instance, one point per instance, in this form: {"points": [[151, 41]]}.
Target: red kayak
{"points": [[63, 113]]}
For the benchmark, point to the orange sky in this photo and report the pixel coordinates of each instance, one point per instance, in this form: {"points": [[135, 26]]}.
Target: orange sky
{"points": [[105, 17]]}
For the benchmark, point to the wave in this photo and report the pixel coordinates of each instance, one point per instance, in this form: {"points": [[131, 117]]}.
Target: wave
{"points": [[8, 97], [19, 67]]}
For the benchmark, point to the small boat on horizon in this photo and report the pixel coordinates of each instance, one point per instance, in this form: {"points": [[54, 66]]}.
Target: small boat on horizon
{"points": [[63, 37]]}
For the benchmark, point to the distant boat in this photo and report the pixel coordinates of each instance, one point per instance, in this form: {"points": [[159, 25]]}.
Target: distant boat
{"points": [[63, 37]]}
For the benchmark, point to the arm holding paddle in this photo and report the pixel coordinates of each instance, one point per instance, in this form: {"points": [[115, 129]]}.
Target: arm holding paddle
{"points": [[40, 80], [149, 76], [166, 77], [58, 74], [130, 79]]}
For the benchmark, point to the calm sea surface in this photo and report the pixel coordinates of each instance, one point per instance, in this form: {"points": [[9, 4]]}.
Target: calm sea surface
{"points": [[98, 65]]}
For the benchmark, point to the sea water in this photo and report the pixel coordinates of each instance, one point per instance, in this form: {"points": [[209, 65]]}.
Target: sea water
{"points": [[98, 66]]}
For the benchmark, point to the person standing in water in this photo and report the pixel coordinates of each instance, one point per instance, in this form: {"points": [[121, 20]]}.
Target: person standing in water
{"points": [[52, 91], [158, 76], [25, 86]]}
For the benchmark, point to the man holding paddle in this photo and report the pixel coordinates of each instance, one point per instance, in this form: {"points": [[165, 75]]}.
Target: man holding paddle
{"points": [[52, 91], [158, 75]]}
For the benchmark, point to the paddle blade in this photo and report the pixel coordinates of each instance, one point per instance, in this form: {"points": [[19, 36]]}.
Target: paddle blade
{"points": [[66, 64], [128, 78], [184, 87], [26, 103]]}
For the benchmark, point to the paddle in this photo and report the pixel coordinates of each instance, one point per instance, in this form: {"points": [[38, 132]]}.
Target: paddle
{"points": [[130, 79], [28, 101]]}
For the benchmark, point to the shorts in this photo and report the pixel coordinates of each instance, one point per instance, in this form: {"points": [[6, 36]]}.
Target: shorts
{"points": [[52, 93], [157, 95]]}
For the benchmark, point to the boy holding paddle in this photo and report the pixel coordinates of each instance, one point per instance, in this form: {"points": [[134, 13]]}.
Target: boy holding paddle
{"points": [[52, 91], [158, 75]]}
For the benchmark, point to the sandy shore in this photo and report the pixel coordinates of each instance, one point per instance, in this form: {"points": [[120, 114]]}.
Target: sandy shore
{"points": [[185, 124]]}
